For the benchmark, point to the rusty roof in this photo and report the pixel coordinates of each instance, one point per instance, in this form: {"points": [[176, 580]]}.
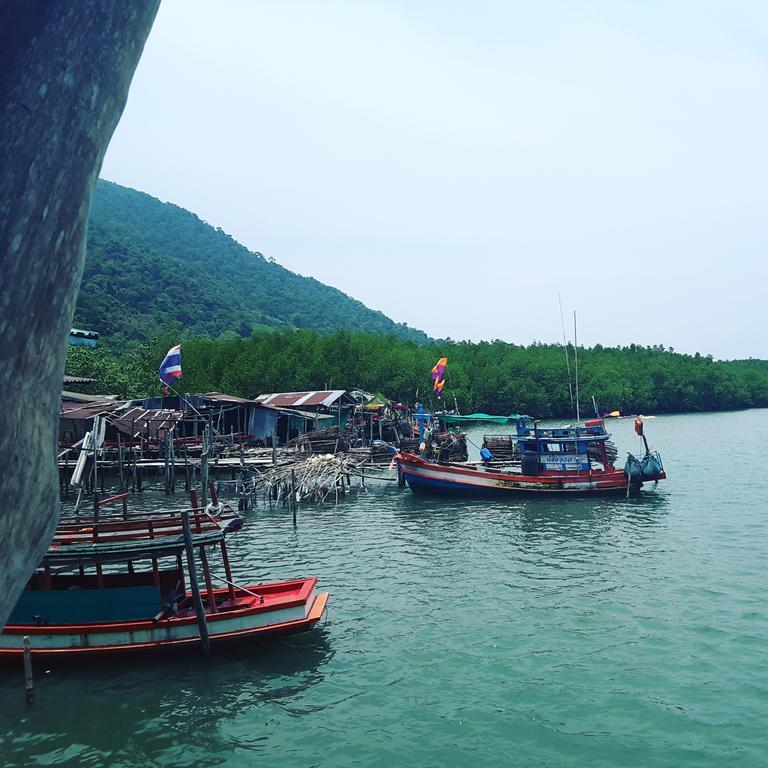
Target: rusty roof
{"points": [[314, 398], [87, 410], [224, 398], [145, 422]]}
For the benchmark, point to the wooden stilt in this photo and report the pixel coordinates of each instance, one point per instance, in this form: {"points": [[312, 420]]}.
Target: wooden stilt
{"points": [[204, 465], [28, 683], [202, 623]]}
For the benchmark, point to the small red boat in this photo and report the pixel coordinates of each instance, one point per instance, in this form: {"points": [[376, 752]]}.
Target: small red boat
{"points": [[120, 587]]}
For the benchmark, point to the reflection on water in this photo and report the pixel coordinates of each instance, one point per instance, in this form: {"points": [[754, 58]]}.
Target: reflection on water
{"points": [[565, 632], [104, 704]]}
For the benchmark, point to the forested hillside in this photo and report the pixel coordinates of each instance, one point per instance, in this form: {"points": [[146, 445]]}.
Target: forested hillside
{"points": [[494, 377], [152, 266]]}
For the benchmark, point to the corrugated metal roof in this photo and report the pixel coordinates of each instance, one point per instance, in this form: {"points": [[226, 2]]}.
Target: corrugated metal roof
{"points": [[140, 421], [77, 380], [81, 397], [81, 334], [303, 414], [76, 410], [314, 398], [224, 398]]}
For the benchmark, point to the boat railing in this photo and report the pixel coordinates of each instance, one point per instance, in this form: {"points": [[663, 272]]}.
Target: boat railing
{"points": [[148, 528]]}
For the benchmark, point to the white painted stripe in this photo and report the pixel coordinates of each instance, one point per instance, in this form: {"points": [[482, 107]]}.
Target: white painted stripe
{"points": [[480, 481]]}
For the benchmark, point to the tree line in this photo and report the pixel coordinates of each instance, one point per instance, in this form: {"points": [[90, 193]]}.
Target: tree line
{"points": [[490, 376]]}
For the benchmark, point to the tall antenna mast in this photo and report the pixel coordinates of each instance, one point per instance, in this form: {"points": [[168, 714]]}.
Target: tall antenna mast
{"points": [[576, 364], [565, 346]]}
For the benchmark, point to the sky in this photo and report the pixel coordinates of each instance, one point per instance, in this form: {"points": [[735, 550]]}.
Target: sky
{"points": [[460, 166]]}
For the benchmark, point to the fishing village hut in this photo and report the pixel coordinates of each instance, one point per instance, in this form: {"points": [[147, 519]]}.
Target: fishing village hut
{"points": [[378, 420], [77, 414], [234, 419], [311, 406], [237, 419]]}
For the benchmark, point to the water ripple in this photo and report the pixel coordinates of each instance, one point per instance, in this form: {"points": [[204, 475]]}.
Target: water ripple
{"points": [[573, 633]]}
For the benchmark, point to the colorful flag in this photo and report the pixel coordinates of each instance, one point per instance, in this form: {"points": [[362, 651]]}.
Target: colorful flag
{"points": [[439, 370], [437, 375], [170, 369]]}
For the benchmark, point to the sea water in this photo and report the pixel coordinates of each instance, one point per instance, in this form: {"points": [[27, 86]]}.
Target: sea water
{"points": [[537, 632]]}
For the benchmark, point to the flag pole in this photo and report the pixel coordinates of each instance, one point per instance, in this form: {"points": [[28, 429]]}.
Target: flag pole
{"points": [[192, 407], [168, 386]]}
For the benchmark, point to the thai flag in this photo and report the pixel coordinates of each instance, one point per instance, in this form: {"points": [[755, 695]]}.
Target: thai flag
{"points": [[170, 369]]}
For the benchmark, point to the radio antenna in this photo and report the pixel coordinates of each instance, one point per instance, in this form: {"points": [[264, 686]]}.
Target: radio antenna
{"points": [[576, 364], [565, 346]]}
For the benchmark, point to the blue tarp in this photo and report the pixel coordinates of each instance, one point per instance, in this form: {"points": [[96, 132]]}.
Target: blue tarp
{"points": [[263, 423]]}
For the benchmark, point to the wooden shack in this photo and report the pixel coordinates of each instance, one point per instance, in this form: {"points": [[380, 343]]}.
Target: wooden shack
{"points": [[307, 411]]}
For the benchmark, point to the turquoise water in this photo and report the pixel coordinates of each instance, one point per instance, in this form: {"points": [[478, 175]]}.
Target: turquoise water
{"points": [[529, 633]]}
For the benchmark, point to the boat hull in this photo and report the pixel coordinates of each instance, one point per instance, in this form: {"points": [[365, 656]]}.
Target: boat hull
{"points": [[429, 478], [246, 623]]}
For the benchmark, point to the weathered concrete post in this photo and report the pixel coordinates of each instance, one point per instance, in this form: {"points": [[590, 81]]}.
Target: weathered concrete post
{"points": [[65, 69]]}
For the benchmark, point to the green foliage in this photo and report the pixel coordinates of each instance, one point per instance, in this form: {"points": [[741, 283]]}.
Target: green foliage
{"points": [[156, 275], [493, 377], [153, 265]]}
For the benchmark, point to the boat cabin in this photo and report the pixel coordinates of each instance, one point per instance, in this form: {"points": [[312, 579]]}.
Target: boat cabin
{"points": [[123, 570], [569, 448]]}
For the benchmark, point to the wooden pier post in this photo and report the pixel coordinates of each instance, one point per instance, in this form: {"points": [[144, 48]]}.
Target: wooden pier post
{"points": [[204, 464], [187, 480], [293, 495], [120, 462], [242, 502], [172, 445], [166, 463], [202, 622], [95, 436], [28, 683], [212, 448]]}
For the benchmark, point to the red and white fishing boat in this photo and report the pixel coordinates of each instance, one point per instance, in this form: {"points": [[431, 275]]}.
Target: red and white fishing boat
{"points": [[568, 461], [120, 587]]}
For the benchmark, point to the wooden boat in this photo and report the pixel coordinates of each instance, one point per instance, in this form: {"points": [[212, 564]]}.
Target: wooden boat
{"points": [[120, 587], [553, 461]]}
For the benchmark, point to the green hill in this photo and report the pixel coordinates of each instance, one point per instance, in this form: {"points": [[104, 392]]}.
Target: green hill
{"points": [[152, 265]]}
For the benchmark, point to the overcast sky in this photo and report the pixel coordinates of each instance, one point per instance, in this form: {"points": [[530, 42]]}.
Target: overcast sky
{"points": [[457, 165]]}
